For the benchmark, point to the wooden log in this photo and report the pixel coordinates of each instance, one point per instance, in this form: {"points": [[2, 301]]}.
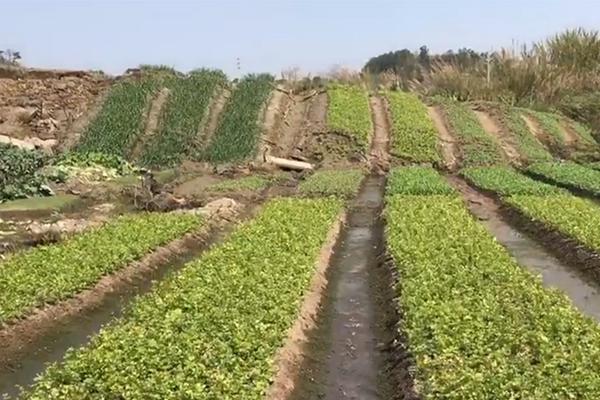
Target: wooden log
{"points": [[289, 164]]}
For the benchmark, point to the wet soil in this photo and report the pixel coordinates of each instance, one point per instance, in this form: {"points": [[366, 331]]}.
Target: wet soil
{"points": [[346, 357], [448, 143], [583, 291], [26, 354]]}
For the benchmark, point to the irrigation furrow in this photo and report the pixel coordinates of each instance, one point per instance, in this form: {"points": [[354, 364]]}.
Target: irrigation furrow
{"points": [[583, 292]]}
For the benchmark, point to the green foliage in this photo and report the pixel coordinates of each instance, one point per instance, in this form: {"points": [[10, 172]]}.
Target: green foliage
{"points": [[478, 148], [527, 144], [417, 181], [479, 326], [569, 174], [331, 183], [182, 115], [211, 331], [584, 133], [506, 181], [414, 136], [349, 112], [550, 124], [237, 135], [244, 183], [121, 119], [19, 176], [82, 160], [47, 274], [573, 216]]}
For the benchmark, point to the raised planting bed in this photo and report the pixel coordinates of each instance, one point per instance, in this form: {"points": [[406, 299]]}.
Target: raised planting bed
{"points": [[576, 177], [48, 274], [414, 136], [417, 181], [530, 148], [213, 330], [478, 148], [349, 112], [341, 182], [477, 324], [506, 181], [183, 114], [237, 135]]}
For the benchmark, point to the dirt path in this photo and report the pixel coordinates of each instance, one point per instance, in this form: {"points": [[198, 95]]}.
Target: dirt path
{"points": [[152, 121], [271, 118], [447, 141], [70, 137], [502, 137], [346, 359], [30, 344], [295, 118], [214, 112], [535, 128], [584, 293], [571, 137], [379, 159]]}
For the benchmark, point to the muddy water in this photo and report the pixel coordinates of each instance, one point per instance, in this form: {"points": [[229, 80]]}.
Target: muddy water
{"points": [[76, 331], [584, 293], [345, 361]]}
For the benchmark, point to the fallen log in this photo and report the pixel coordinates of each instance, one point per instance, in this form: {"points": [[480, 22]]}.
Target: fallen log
{"points": [[289, 164]]}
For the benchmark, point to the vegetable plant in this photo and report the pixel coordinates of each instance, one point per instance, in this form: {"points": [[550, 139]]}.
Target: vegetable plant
{"points": [[417, 181], [506, 181], [569, 174], [332, 182], [349, 113]]}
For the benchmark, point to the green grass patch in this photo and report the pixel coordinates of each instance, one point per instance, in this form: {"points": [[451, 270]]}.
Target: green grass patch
{"points": [[50, 203], [238, 132], [186, 108], [51, 273], [506, 181], [550, 124], [569, 174], [349, 112], [414, 136], [244, 183], [527, 144], [479, 326], [417, 181], [584, 133], [333, 182], [477, 146], [211, 331]]}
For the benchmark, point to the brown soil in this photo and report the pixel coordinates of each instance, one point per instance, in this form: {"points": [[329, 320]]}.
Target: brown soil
{"points": [[16, 336], [156, 106], [537, 131], [47, 106], [502, 137], [295, 118], [446, 140], [70, 137], [271, 121], [379, 158], [290, 357], [214, 113], [571, 137]]}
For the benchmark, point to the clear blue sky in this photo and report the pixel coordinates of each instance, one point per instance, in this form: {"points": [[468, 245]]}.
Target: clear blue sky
{"points": [[269, 35]]}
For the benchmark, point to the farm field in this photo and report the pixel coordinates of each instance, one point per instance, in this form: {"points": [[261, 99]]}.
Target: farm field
{"points": [[213, 238]]}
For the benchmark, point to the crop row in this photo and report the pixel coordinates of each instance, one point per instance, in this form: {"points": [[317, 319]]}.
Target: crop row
{"points": [[212, 330], [479, 326], [414, 136], [50, 273], [528, 146], [506, 181], [238, 132], [121, 120], [19, 172], [478, 147], [417, 181], [332, 182], [569, 174], [349, 113], [182, 115]]}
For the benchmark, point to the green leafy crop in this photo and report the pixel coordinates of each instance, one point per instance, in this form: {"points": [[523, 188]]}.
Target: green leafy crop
{"points": [[19, 176], [349, 112], [211, 331], [573, 216], [478, 147], [506, 181], [334, 182], [50, 273], [244, 183], [121, 119], [550, 124], [185, 110], [479, 326], [414, 136], [527, 144], [417, 181], [237, 135], [569, 174]]}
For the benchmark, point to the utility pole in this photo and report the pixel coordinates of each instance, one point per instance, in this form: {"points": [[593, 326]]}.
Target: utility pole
{"points": [[489, 66]]}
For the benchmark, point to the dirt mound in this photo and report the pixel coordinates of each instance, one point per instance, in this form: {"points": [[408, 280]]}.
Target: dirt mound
{"points": [[46, 106]]}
